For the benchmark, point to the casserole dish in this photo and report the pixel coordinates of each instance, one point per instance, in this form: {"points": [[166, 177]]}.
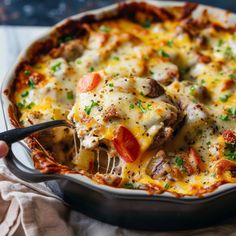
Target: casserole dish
{"points": [[137, 208]]}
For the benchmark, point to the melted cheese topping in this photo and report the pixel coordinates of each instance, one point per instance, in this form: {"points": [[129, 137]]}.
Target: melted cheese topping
{"points": [[197, 71]]}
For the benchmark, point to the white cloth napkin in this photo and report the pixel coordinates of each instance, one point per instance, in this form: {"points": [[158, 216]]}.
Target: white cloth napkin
{"points": [[33, 210]]}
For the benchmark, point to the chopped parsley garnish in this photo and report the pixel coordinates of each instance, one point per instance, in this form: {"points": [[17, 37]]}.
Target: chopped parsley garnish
{"points": [[116, 58], [111, 85], [70, 95], [170, 43], [229, 53], [232, 111], [179, 162], [91, 69], [66, 38], [208, 143], [105, 29], [29, 106], [232, 76], [140, 106], [27, 72], [224, 117], [193, 89], [20, 105], [167, 186], [131, 106], [56, 67], [130, 185], [25, 94], [88, 109], [224, 98], [203, 81], [31, 83], [230, 151], [163, 53], [182, 71], [146, 23], [213, 175], [78, 61], [231, 156], [220, 43]]}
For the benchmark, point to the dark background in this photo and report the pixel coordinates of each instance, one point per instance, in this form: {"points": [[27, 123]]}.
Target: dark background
{"points": [[49, 12]]}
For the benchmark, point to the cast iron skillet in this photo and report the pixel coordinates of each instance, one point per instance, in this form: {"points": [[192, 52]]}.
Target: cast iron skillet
{"points": [[134, 209]]}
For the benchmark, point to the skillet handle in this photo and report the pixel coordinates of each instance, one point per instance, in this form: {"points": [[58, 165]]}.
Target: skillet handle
{"points": [[14, 135], [26, 173]]}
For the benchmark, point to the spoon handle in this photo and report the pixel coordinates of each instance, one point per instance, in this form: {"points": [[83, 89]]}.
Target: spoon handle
{"points": [[14, 135]]}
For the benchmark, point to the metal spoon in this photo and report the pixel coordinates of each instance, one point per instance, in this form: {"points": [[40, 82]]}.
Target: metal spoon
{"points": [[14, 135]]}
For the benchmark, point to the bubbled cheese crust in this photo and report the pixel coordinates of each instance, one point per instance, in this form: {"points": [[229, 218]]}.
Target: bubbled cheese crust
{"points": [[192, 59]]}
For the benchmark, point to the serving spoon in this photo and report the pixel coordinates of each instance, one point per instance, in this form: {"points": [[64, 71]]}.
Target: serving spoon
{"points": [[17, 134]]}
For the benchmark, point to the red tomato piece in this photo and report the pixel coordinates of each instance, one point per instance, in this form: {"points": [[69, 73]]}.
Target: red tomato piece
{"points": [[126, 145], [89, 82]]}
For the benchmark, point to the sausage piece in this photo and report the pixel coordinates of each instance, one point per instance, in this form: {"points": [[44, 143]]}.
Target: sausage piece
{"points": [[72, 50]]}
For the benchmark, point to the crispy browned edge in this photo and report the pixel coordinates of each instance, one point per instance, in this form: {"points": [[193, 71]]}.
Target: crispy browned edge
{"points": [[47, 164]]}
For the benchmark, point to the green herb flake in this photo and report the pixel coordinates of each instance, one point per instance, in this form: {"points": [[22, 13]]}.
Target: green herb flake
{"points": [[193, 89], [31, 83], [182, 71], [203, 81], [25, 94], [220, 43], [224, 118], [88, 109], [149, 106], [146, 24], [163, 53], [229, 53], [232, 111], [232, 76], [146, 58], [208, 143], [130, 185], [70, 95], [131, 106], [213, 175], [170, 43], [224, 98], [105, 29], [231, 156], [179, 162], [27, 72], [116, 58], [20, 105], [140, 106], [167, 186], [91, 69], [78, 61], [29, 106], [66, 38], [56, 67], [111, 85]]}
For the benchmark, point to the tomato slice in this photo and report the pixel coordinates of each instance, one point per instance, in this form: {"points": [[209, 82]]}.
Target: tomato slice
{"points": [[89, 82], [126, 145]]}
